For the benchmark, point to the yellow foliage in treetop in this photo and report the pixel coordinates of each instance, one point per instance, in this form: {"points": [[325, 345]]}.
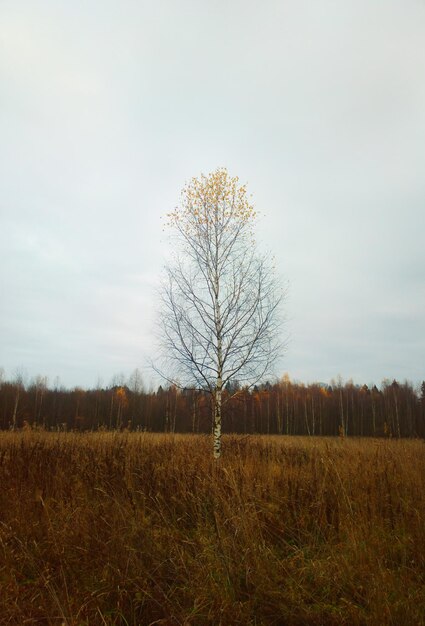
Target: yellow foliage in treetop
{"points": [[215, 200], [285, 380], [121, 396]]}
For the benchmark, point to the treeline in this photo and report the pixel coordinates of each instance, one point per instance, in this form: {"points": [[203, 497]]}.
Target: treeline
{"points": [[285, 407]]}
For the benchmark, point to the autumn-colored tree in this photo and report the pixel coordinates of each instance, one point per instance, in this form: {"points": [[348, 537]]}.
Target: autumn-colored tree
{"points": [[220, 300], [121, 401]]}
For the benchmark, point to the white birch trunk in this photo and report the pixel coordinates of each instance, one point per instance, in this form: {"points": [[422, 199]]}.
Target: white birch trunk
{"points": [[217, 424]]}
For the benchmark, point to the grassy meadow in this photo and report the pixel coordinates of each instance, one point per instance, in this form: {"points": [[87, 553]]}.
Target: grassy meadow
{"points": [[139, 528]]}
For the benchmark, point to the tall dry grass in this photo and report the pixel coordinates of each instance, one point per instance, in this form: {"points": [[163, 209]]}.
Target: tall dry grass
{"points": [[146, 529]]}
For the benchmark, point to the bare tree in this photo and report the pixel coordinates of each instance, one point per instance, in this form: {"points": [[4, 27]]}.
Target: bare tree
{"points": [[220, 299], [19, 384]]}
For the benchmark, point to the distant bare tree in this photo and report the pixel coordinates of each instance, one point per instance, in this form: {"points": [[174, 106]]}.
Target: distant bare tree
{"points": [[220, 298], [40, 384], [135, 382], [19, 384]]}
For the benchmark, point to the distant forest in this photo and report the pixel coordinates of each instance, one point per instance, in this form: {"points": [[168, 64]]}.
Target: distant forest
{"points": [[285, 407]]}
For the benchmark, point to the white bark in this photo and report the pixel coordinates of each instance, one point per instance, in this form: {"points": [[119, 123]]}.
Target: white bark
{"points": [[217, 424]]}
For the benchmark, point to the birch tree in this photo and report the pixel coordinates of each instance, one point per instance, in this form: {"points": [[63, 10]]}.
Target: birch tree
{"points": [[220, 300]]}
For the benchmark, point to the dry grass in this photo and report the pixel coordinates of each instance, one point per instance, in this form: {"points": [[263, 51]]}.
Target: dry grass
{"points": [[145, 529]]}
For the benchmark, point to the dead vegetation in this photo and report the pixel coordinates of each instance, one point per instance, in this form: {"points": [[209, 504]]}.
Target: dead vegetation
{"points": [[127, 529]]}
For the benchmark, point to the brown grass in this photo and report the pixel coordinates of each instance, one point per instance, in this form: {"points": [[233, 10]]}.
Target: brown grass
{"points": [[145, 529]]}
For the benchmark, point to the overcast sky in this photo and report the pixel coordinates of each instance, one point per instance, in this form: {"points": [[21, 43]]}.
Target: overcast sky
{"points": [[107, 108]]}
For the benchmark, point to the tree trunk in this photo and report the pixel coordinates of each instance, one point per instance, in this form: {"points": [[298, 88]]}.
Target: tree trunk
{"points": [[15, 410], [373, 415], [278, 415], [313, 416], [306, 416], [397, 418], [217, 424], [193, 411], [219, 385], [341, 404]]}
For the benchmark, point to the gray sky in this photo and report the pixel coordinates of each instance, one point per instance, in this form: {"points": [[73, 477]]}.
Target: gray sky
{"points": [[107, 108]]}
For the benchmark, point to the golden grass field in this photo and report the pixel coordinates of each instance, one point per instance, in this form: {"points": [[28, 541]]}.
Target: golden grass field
{"points": [[109, 528]]}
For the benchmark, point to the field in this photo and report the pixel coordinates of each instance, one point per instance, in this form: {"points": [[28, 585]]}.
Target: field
{"points": [[108, 528]]}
